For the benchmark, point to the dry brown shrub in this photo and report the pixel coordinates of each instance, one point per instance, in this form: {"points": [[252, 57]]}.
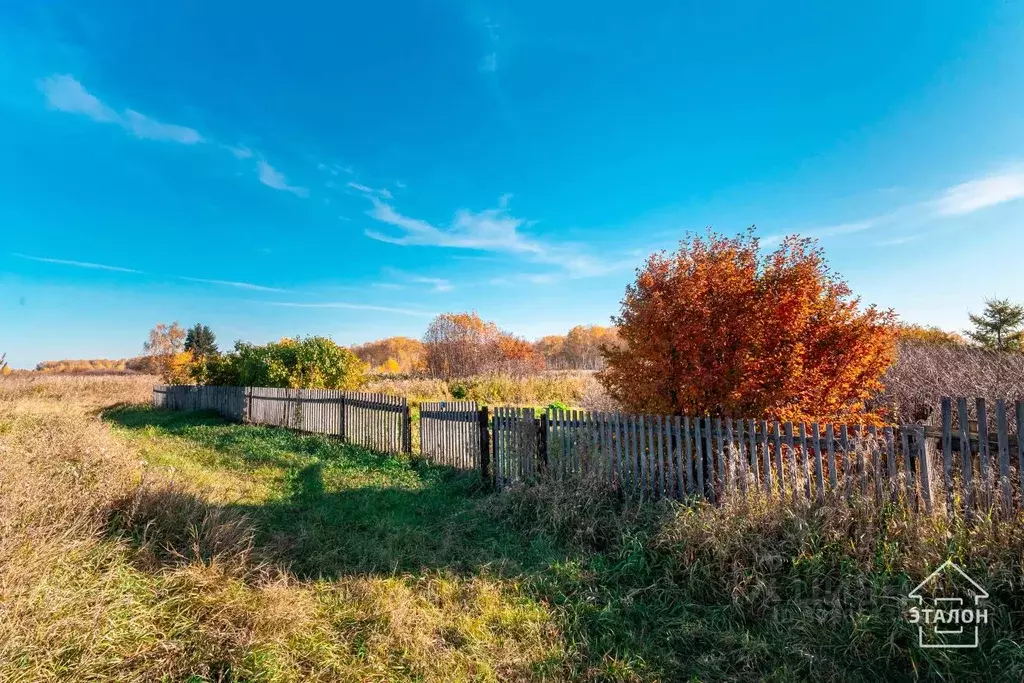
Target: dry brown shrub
{"points": [[924, 373]]}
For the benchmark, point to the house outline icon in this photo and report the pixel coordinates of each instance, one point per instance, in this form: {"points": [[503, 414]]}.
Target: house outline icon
{"points": [[947, 603]]}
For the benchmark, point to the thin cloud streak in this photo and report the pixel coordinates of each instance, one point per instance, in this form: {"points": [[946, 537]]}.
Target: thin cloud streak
{"points": [[80, 264], [355, 307], [273, 178], [145, 128], [438, 284], [488, 230], [956, 201], [980, 193], [232, 283], [118, 269], [495, 230], [382, 192], [65, 93]]}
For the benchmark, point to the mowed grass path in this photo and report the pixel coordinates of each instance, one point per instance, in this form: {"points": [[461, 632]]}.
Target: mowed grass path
{"points": [[461, 592], [328, 508], [567, 596]]}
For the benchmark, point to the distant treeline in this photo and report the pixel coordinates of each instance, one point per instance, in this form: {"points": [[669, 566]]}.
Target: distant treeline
{"points": [[139, 364], [464, 344]]}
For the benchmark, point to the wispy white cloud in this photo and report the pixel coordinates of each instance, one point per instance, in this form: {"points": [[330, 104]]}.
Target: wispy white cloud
{"points": [[489, 63], [494, 230], [532, 278], [437, 284], [65, 93], [80, 264], [357, 307], [232, 283], [271, 177], [119, 269], [844, 228], [143, 127], [382, 192], [954, 202], [981, 193], [240, 151], [896, 241], [488, 230]]}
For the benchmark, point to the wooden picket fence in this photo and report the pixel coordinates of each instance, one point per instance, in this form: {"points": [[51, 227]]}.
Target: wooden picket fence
{"points": [[455, 434], [377, 421], [974, 460]]}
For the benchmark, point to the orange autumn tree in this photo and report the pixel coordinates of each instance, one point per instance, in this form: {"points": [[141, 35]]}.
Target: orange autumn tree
{"points": [[718, 328], [513, 355], [457, 344]]}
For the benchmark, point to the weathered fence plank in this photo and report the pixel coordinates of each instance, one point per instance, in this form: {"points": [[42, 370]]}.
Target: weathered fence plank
{"points": [[662, 456], [1004, 456], [304, 410]]}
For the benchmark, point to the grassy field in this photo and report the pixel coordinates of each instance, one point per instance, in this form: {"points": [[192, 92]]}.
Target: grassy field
{"points": [[574, 388], [144, 545]]}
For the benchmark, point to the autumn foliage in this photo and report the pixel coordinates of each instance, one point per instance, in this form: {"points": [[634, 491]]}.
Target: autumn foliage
{"points": [[463, 344], [581, 349], [393, 355], [929, 335], [718, 328]]}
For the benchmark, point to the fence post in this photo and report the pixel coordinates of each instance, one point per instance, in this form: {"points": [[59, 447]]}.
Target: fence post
{"points": [[485, 443], [407, 429], [494, 448], [542, 443], [344, 425]]}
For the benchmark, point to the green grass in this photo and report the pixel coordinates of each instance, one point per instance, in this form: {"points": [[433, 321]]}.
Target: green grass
{"points": [[633, 592], [330, 508]]}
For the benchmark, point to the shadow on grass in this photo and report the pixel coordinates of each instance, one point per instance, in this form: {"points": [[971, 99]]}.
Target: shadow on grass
{"points": [[343, 509]]}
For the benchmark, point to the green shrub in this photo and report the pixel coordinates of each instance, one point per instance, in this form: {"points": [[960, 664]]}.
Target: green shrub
{"points": [[300, 363], [557, 405], [458, 391], [217, 371]]}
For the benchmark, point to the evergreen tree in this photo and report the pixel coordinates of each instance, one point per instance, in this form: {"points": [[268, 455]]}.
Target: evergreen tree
{"points": [[201, 342], [999, 327]]}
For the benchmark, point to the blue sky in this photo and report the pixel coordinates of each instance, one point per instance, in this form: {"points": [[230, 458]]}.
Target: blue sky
{"points": [[331, 168]]}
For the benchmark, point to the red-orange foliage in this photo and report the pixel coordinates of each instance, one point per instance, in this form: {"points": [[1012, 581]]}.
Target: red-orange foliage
{"points": [[515, 356], [717, 328], [462, 344]]}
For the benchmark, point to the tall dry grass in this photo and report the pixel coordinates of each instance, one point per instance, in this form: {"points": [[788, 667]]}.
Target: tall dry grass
{"points": [[578, 388], [762, 589], [111, 569]]}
